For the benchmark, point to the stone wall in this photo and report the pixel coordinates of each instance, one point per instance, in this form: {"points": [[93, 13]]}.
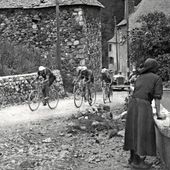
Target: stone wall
{"points": [[80, 34], [16, 89]]}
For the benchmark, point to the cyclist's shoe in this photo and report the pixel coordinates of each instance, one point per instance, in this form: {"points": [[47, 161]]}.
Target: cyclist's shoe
{"points": [[90, 100], [44, 103], [83, 94], [46, 98]]}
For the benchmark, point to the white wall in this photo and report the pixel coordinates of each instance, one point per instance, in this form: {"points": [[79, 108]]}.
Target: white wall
{"points": [[112, 54]]}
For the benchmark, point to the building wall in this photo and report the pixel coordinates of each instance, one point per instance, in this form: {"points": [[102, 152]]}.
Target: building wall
{"points": [[80, 34], [122, 47], [112, 54]]}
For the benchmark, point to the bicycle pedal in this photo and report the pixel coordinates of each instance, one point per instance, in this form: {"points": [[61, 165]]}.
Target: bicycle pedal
{"points": [[44, 103]]}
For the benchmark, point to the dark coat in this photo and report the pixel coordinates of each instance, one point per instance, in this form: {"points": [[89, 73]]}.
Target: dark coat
{"points": [[139, 131]]}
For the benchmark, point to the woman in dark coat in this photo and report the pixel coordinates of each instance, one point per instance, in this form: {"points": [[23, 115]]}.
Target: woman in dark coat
{"points": [[139, 131]]}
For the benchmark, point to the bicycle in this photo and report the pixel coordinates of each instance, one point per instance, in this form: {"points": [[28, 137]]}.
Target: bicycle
{"points": [[106, 91], [81, 91], [36, 96]]}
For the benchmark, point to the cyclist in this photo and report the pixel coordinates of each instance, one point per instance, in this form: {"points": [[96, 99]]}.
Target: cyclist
{"points": [[48, 78], [87, 75], [106, 77]]}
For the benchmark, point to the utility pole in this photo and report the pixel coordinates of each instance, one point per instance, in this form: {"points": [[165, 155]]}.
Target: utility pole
{"points": [[127, 34], [117, 57], [58, 56]]}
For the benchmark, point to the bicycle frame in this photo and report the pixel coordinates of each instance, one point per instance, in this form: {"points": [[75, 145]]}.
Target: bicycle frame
{"points": [[39, 86], [82, 89]]}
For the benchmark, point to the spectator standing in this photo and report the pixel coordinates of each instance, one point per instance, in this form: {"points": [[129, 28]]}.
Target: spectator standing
{"points": [[139, 132]]}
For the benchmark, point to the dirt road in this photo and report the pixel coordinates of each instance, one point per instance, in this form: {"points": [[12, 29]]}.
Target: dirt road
{"points": [[21, 113]]}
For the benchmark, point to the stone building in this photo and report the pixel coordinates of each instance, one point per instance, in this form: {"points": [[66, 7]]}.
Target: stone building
{"points": [[33, 23]]}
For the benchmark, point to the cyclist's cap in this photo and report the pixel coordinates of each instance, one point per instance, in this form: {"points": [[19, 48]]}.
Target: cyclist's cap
{"points": [[104, 70], [84, 68], [41, 68], [79, 68]]}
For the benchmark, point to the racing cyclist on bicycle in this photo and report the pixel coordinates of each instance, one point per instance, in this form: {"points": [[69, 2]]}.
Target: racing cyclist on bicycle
{"points": [[87, 75], [106, 78], [48, 78]]}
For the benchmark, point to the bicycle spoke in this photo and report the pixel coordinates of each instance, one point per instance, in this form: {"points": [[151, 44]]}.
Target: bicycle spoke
{"points": [[34, 100], [53, 98], [78, 97], [93, 95]]}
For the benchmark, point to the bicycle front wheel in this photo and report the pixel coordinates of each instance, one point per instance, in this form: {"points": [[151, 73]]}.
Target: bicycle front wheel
{"points": [[34, 100], [78, 97], [109, 94], [93, 95], [53, 98]]}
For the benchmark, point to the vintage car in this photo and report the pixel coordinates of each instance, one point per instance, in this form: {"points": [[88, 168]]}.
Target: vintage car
{"points": [[120, 82]]}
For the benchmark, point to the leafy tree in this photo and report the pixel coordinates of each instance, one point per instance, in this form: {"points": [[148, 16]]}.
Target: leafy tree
{"points": [[164, 69], [151, 39], [18, 59]]}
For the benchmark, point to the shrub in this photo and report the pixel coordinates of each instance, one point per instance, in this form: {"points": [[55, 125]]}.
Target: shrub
{"points": [[152, 39], [18, 59]]}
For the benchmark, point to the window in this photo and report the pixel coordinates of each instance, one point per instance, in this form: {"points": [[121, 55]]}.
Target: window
{"points": [[111, 60], [110, 47]]}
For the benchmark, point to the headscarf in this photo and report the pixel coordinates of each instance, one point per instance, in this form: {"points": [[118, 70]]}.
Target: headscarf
{"points": [[150, 65]]}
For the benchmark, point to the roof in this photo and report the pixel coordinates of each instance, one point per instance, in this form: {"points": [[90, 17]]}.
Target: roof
{"points": [[7, 4], [148, 6], [112, 40], [122, 23]]}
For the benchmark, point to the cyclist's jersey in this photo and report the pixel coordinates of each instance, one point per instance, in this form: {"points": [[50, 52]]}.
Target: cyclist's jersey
{"points": [[46, 74], [87, 75], [106, 77]]}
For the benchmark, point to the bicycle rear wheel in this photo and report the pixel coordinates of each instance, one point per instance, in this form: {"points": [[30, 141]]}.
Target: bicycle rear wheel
{"points": [[109, 94], [53, 98], [78, 97], [104, 94], [34, 100], [93, 95]]}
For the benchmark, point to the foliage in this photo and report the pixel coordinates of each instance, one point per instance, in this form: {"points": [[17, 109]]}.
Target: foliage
{"points": [[18, 59], [164, 69], [152, 39]]}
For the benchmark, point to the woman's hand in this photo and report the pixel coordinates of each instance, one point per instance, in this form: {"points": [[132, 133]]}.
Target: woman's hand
{"points": [[161, 116]]}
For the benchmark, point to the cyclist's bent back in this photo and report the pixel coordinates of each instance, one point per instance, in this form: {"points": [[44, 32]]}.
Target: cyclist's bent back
{"points": [[105, 76], [48, 77], [87, 75]]}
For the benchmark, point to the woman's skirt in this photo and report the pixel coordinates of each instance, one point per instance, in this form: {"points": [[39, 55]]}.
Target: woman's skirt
{"points": [[139, 130]]}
